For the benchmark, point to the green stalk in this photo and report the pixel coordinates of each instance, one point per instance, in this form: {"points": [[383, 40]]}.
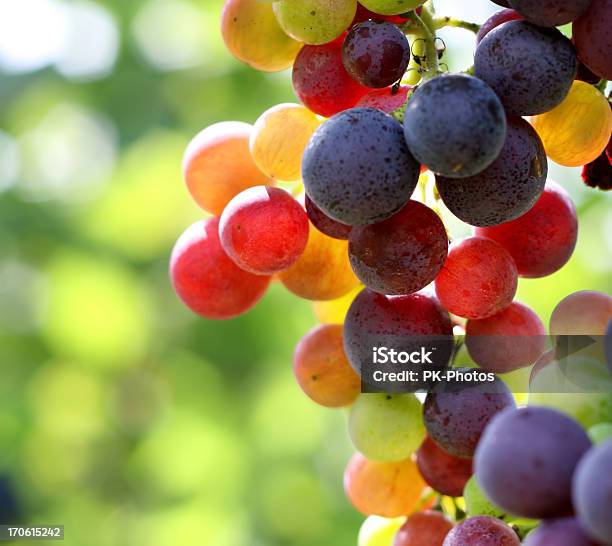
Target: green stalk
{"points": [[442, 22]]}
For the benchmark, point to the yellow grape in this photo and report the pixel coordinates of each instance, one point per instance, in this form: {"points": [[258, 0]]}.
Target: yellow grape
{"points": [[279, 138], [577, 131], [334, 311], [323, 272], [218, 165], [252, 34], [315, 22], [377, 531], [391, 7]]}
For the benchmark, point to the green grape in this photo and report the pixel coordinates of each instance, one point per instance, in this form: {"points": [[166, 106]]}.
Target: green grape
{"points": [[315, 22], [377, 531], [600, 432], [476, 503], [386, 427], [391, 7]]}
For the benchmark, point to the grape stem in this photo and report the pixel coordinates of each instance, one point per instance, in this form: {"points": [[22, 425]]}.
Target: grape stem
{"points": [[442, 22], [423, 27]]}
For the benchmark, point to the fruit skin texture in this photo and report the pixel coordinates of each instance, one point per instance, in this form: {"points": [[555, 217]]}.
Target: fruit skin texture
{"points": [[511, 339], [323, 271], [550, 13], [478, 279], [386, 427], [559, 532], [482, 531], [456, 417], [357, 168], [476, 503], [376, 53], [402, 254], [455, 124], [498, 18], [217, 165], [388, 99], [578, 130], [207, 281], [427, 528], [442, 471], [314, 22], [279, 138], [322, 369], [530, 68], [334, 311], [585, 312], [592, 34], [387, 489], [324, 223], [263, 230], [391, 7], [252, 34], [322, 83], [507, 188], [543, 240], [526, 458], [592, 492], [393, 321]]}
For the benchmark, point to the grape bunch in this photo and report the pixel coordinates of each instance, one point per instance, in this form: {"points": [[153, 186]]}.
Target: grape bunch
{"points": [[343, 198]]}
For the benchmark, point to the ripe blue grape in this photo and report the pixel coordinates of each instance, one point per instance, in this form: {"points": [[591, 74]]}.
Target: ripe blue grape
{"points": [[455, 124], [482, 531], [559, 532], [357, 168], [456, 414], [505, 190], [530, 68], [376, 53], [591, 34], [592, 492], [402, 254], [526, 458]]}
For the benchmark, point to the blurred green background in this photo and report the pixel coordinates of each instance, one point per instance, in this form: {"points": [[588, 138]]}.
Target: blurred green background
{"points": [[123, 416]]}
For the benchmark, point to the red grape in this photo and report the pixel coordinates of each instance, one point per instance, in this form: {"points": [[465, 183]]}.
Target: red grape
{"points": [[376, 53], [427, 528], [482, 531], [402, 254], [478, 279], [598, 173], [324, 223], [205, 278], [388, 99], [542, 240], [592, 35], [511, 339], [442, 471], [264, 230], [583, 313], [322, 83], [498, 18]]}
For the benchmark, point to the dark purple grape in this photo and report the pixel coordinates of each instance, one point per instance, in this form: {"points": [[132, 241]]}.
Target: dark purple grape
{"points": [[400, 255], [455, 124], [550, 13], [357, 168], [442, 471], [324, 223], [455, 414], [499, 17], [592, 34], [482, 531], [526, 458], [503, 3], [584, 74], [376, 53], [559, 532], [505, 190], [404, 323], [530, 68], [592, 492]]}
